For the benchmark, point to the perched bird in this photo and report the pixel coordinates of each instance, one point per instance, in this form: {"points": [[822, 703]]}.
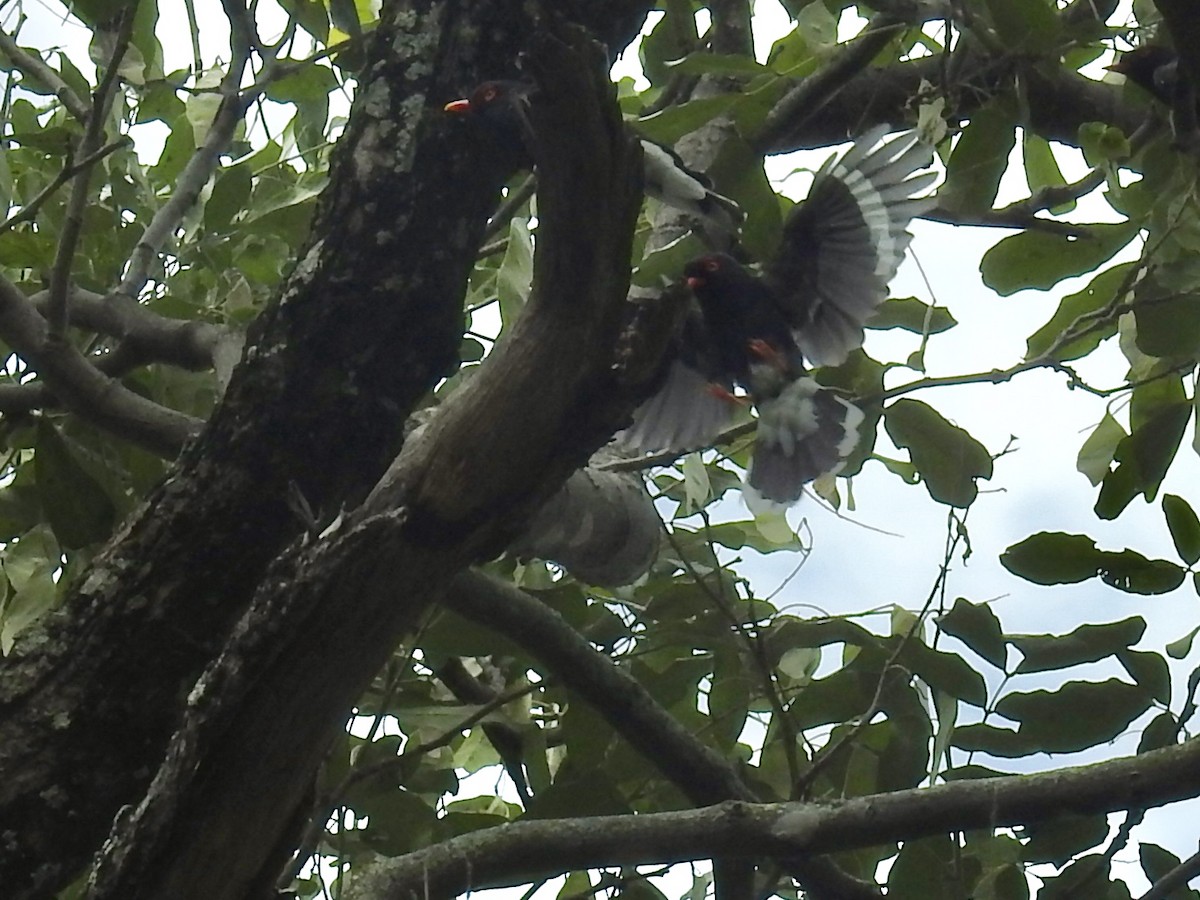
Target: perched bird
{"points": [[840, 248], [1155, 69], [1152, 67], [503, 106]]}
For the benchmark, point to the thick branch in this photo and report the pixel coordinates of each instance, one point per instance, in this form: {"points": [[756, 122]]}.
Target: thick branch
{"points": [[327, 615], [1059, 102], [530, 851], [58, 313], [701, 773], [818, 89], [83, 388], [694, 767], [367, 322], [143, 334], [36, 70]]}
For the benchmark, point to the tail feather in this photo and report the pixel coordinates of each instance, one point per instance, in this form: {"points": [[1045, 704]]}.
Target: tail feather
{"points": [[668, 180], [805, 432]]}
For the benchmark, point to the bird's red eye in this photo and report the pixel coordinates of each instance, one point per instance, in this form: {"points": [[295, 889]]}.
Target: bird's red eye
{"points": [[712, 265], [489, 94]]}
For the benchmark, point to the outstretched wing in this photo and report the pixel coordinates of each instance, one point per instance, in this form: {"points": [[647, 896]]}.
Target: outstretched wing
{"points": [[687, 410], [843, 244]]}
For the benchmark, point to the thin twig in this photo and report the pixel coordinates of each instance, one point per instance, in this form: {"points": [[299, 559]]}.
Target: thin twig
{"points": [[200, 167], [316, 825], [194, 27], [829, 751], [1009, 217], [60, 274], [516, 198], [30, 209]]}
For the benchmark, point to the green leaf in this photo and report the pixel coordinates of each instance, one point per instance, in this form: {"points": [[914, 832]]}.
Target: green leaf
{"points": [[1167, 310], [1163, 731], [1057, 558], [979, 160], [705, 63], [738, 173], [1150, 671], [1005, 883], [159, 101], [400, 820], [1184, 527], [1035, 259], [1143, 457], [1158, 863], [516, 271], [977, 627], [666, 263], [1064, 837], [311, 82], [728, 698], [230, 196], [311, 15], [1180, 648], [77, 507], [1025, 26], [736, 535], [1133, 573], [947, 457], [1087, 643], [30, 564], [674, 122], [1002, 742], [672, 37], [943, 671], [1041, 168], [1079, 715], [912, 315], [1096, 455], [1079, 314], [1102, 143], [926, 868], [178, 149]]}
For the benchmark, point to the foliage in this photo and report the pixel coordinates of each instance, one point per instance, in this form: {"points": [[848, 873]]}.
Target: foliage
{"points": [[809, 707]]}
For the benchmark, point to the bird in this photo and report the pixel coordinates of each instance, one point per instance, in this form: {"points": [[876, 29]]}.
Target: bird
{"points": [[1155, 69], [503, 105], [1152, 67], [840, 248]]}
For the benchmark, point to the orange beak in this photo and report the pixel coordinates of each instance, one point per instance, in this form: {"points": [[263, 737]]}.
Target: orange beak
{"points": [[458, 106], [694, 281]]}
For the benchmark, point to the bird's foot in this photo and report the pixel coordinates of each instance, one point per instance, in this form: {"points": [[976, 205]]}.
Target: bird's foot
{"points": [[768, 354], [723, 393]]}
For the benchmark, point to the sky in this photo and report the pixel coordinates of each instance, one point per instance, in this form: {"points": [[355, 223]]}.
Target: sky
{"points": [[854, 566]]}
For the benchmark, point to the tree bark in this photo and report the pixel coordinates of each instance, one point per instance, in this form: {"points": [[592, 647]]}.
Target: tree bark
{"points": [[367, 322]]}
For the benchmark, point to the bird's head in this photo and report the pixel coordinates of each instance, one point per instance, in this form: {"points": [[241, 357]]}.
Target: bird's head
{"points": [[1141, 65], [491, 99], [714, 273]]}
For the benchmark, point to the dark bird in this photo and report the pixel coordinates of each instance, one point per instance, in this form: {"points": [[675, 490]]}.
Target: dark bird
{"points": [[503, 106], [840, 248], [1152, 67], [1155, 69]]}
